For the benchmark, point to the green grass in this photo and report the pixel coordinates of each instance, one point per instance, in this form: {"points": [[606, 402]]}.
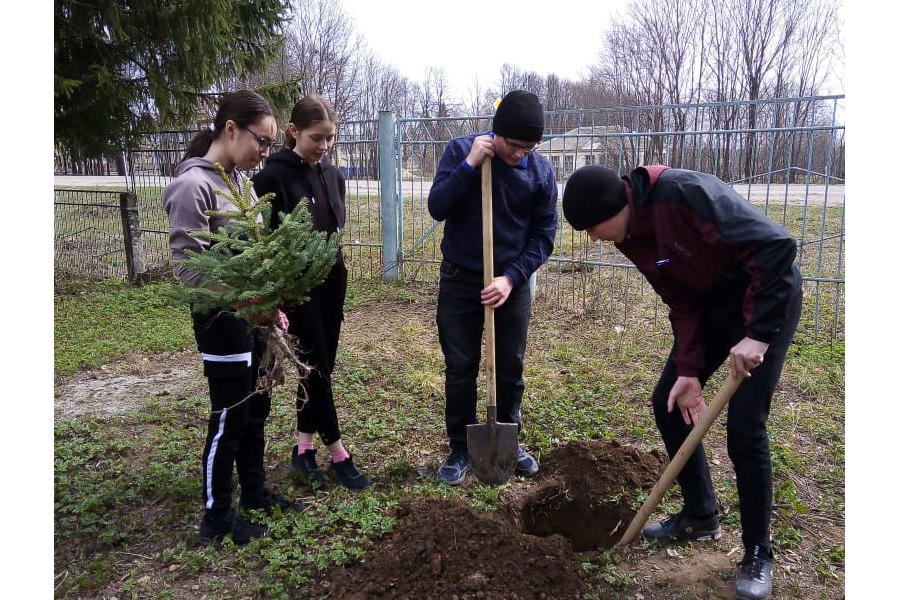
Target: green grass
{"points": [[97, 324], [127, 487]]}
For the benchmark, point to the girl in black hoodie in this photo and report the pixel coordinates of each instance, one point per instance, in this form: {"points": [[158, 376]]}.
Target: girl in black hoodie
{"points": [[303, 171]]}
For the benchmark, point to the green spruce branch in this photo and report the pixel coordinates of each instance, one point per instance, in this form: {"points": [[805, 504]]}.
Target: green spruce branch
{"points": [[252, 269]]}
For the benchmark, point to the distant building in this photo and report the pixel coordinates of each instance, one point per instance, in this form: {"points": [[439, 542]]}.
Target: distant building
{"points": [[595, 145]]}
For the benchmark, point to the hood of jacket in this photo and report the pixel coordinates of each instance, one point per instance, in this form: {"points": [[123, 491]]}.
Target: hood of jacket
{"points": [[197, 162], [289, 158], [642, 179]]}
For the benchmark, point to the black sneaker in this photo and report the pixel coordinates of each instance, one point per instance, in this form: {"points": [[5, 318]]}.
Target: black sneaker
{"points": [[754, 580], [304, 466], [454, 469], [348, 475], [215, 526], [242, 530], [682, 526], [269, 501], [526, 465]]}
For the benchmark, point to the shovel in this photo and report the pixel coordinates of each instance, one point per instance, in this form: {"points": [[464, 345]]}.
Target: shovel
{"points": [[677, 463], [492, 446]]}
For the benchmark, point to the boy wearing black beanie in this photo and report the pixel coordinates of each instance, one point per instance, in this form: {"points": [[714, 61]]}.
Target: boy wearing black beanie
{"points": [[524, 218], [727, 273]]}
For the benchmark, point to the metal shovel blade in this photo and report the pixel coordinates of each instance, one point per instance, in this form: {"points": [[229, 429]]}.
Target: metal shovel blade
{"points": [[492, 449]]}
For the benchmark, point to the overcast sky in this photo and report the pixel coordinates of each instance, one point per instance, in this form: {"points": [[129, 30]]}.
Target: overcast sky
{"points": [[469, 38]]}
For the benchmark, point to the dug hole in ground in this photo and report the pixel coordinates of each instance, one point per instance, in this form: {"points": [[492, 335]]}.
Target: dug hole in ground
{"points": [[445, 549]]}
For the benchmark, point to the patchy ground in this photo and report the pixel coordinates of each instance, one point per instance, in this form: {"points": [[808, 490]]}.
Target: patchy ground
{"points": [[537, 541], [127, 384]]}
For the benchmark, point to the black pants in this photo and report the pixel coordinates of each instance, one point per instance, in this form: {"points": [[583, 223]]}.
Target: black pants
{"points": [[460, 321], [235, 435], [748, 410], [317, 325]]}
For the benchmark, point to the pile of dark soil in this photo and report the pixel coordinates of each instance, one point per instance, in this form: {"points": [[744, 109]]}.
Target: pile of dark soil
{"points": [[589, 492], [446, 550]]}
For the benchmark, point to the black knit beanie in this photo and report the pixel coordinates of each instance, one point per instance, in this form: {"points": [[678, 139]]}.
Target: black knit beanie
{"points": [[592, 195], [520, 116]]}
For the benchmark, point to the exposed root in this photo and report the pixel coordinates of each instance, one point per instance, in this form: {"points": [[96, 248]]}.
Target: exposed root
{"points": [[277, 359], [278, 356]]}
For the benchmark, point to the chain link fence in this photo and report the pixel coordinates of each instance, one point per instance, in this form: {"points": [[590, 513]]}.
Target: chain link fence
{"points": [[95, 234], [785, 156]]}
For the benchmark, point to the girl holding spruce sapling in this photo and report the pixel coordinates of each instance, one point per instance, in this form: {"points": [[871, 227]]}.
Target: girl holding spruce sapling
{"points": [[239, 138], [303, 172]]}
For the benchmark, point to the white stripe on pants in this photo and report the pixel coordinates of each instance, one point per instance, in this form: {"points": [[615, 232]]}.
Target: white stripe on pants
{"points": [[212, 457]]}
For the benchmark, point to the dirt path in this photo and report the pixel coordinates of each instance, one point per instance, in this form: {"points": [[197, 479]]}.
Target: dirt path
{"points": [[127, 384]]}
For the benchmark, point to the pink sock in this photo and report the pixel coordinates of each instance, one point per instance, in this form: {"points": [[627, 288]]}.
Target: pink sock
{"points": [[339, 455], [303, 447]]}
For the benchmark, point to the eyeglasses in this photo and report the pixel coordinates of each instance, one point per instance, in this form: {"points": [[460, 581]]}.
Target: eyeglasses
{"points": [[519, 147], [264, 142]]}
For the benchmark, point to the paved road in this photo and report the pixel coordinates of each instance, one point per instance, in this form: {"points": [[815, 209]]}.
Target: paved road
{"points": [[88, 181], [776, 193]]}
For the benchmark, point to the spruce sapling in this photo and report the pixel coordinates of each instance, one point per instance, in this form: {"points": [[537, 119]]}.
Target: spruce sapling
{"points": [[252, 270]]}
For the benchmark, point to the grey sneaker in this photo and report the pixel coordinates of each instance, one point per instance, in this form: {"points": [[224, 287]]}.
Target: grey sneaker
{"points": [[683, 526], [754, 580], [454, 469], [526, 465]]}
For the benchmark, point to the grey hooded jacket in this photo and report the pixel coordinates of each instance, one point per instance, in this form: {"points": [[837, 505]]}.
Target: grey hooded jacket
{"points": [[185, 200]]}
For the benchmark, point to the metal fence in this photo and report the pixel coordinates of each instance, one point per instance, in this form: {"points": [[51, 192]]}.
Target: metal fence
{"points": [[786, 156], [96, 235]]}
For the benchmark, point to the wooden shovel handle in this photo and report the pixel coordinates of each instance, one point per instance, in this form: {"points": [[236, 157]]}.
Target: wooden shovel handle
{"points": [[487, 244], [677, 463]]}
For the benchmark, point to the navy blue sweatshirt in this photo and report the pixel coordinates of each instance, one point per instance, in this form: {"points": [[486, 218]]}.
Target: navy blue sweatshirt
{"points": [[524, 202]]}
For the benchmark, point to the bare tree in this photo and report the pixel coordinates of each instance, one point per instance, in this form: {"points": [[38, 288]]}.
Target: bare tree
{"points": [[381, 87], [555, 93], [677, 54], [324, 49], [514, 78], [594, 91], [478, 101]]}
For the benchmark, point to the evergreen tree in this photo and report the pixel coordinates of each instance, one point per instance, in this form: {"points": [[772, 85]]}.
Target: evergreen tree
{"points": [[252, 270], [122, 68], [256, 268]]}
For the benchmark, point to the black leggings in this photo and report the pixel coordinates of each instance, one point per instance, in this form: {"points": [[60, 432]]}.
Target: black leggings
{"points": [[317, 325]]}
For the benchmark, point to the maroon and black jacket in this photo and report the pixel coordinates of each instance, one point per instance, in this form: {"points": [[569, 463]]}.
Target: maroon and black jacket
{"points": [[697, 241]]}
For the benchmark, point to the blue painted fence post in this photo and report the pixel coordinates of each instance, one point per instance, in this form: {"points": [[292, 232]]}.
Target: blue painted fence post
{"points": [[387, 174]]}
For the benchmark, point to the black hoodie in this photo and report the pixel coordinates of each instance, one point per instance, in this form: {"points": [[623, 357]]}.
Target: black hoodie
{"points": [[292, 178]]}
